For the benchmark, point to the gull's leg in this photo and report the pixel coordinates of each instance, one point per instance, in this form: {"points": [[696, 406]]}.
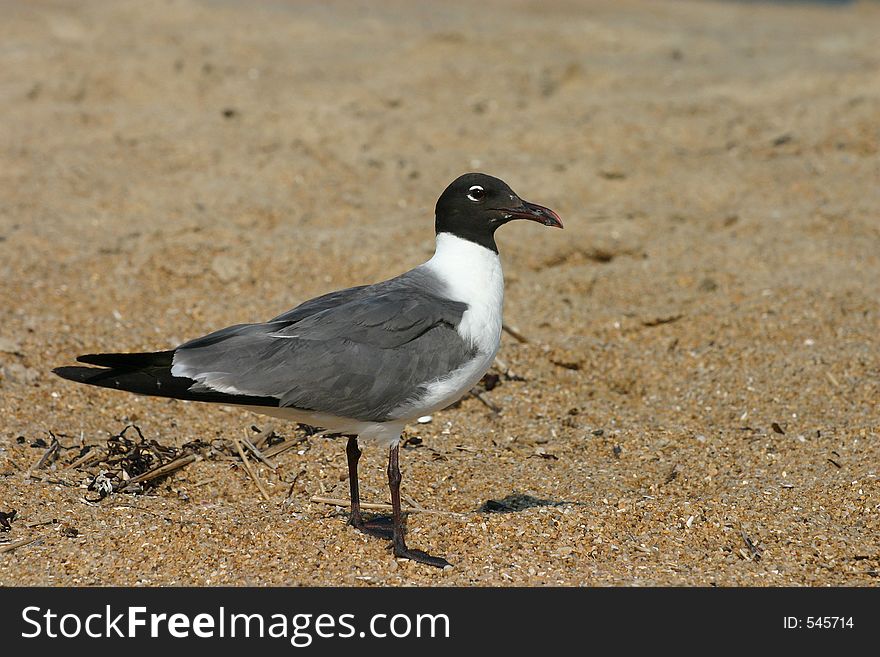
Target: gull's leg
{"points": [[353, 452], [400, 549], [376, 526]]}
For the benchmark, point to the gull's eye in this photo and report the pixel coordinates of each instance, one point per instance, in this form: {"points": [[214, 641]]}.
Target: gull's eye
{"points": [[476, 193]]}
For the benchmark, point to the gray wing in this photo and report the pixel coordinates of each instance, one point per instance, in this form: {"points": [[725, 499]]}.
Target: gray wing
{"points": [[357, 353], [323, 302], [283, 320]]}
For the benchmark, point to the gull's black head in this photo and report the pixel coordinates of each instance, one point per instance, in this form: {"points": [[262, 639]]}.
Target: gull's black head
{"points": [[475, 204]]}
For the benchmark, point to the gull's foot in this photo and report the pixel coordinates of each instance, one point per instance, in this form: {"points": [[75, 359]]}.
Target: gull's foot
{"points": [[421, 557], [380, 527]]}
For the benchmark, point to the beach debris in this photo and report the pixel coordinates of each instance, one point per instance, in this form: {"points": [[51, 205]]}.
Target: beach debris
{"points": [[257, 453], [250, 471], [137, 483], [6, 518], [49, 455], [515, 333], [755, 552], [666, 319], [69, 531], [783, 139], [490, 381], [492, 406], [9, 547]]}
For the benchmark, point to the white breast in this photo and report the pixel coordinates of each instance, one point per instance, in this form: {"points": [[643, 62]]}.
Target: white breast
{"points": [[472, 274]]}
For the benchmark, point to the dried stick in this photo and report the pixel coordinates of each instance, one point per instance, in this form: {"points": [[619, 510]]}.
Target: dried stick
{"points": [[162, 470], [756, 552], [275, 450], [47, 455], [292, 486], [264, 436], [505, 370], [92, 455], [260, 456], [515, 332], [9, 547], [247, 467], [47, 480], [492, 406], [415, 505], [31, 525], [371, 506]]}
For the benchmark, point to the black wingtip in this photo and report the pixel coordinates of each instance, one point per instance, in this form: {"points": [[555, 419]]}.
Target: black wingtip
{"points": [[132, 361], [154, 382], [87, 358], [78, 374]]}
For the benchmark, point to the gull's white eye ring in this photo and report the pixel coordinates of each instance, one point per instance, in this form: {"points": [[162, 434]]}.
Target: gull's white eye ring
{"points": [[476, 193]]}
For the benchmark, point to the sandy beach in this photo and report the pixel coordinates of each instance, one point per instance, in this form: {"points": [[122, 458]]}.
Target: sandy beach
{"points": [[697, 399]]}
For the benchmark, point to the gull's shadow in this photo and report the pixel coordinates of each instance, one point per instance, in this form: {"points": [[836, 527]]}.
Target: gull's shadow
{"points": [[517, 502]]}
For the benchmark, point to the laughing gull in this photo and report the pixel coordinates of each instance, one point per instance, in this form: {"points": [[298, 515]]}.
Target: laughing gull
{"points": [[361, 362]]}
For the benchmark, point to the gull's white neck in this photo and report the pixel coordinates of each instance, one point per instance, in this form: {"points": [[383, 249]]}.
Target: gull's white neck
{"points": [[472, 274]]}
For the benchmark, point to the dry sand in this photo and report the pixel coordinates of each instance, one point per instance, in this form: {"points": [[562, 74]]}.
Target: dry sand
{"points": [[166, 173]]}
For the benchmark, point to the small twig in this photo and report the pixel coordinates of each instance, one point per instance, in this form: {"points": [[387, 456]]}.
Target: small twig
{"points": [[515, 332], [161, 471], [31, 525], [92, 455], [657, 321], [260, 456], [756, 553], [9, 547], [48, 454], [372, 506], [505, 370], [476, 392], [265, 434], [275, 450], [47, 480], [293, 485], [247, 467], [412, 502], [832, 379]]}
